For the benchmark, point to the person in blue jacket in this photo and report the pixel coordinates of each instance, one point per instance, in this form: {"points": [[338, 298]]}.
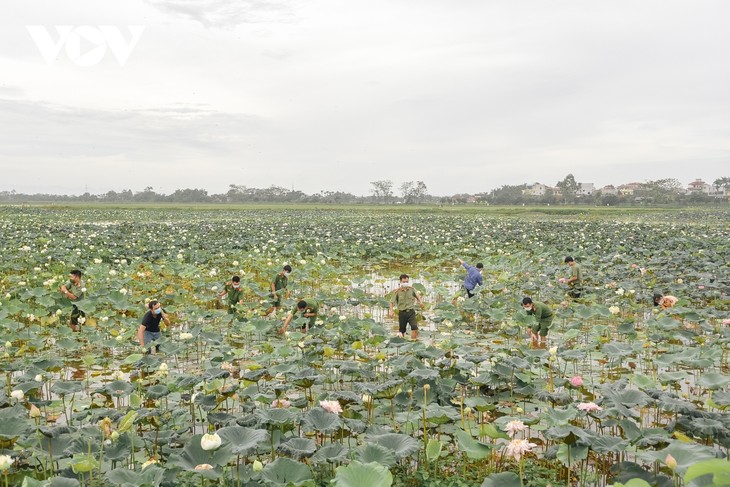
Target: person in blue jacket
{"points": [[473, 277]]}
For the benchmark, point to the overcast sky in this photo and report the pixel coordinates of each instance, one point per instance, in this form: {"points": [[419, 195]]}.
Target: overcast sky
{"points": [[466, 95]]}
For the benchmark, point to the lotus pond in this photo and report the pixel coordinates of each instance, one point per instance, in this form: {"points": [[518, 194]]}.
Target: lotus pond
{"points": [[623, 395]]}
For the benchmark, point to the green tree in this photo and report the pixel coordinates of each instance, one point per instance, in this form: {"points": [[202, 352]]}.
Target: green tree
{"points": [[569, 187], [382, 190]]}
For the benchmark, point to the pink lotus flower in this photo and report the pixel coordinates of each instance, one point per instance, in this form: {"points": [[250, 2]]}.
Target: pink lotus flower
{"points": [[517, 448], [634, 266], [589, 407], [331, 406], [576, 381], [280, 403], [700, 287], [726, 321], [514, 427]]}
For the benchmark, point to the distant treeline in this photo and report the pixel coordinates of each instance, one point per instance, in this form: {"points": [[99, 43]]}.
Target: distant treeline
{"points": [[567, 192]]}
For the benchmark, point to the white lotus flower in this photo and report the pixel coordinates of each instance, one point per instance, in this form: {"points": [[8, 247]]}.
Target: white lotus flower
{"points": [[6, 461], [517, 448], [514, 427], [210, 442], [589, 407], [97, 261], [214, 288], [235, 263], [331, 406], [185, 336], [112, 272], [59, 312], [614, 310], [17, 394], [39, 378]]}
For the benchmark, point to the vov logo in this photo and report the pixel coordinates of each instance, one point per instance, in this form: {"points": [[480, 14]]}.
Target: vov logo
{"points": [[85, 45]]}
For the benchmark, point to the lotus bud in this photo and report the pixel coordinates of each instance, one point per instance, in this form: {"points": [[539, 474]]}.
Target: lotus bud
{"points": [[17, 394], [467, 410], [39, 378], [210, 442], [8, 344], [34, 411], [670, 461], [257, 466], [115, 435]]}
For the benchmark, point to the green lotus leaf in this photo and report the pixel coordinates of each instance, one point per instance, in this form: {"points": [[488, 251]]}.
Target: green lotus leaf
{"points": [[243, 441], [707, 426], [717, 468], [358, 474], [473, 449], [686, 454], [372, 452], [151, 476], [194, 456], [402, 445], [713, 380], [157, 391], [571, 454], [284, 471], [331, 453], [440, 414], [320, 420], [63, 388], [298, 448], [503, 479], [276, 417]]}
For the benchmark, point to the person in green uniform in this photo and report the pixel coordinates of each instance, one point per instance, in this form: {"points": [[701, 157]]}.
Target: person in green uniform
{"points": [[544, 318], [575, 281], [306, 308], [278, 288], [73, 291], [405, 299], [234, 292]]}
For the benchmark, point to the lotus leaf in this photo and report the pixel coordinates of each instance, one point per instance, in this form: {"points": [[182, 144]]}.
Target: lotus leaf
{"points": [[284, 471], [322, 421], [151, 476], [358, 474], [298, 448], [243, 441], [372, 452], [503, 479], [402, 445], [331, 453]]}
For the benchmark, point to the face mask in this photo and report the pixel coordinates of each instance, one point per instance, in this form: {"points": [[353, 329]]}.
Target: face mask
{"points": [[286, 274], [405, 284], [157, 311], [236, 286]]}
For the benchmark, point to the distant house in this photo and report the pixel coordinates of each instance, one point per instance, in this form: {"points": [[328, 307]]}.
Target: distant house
{"points": [[628, 189], [586, 189], [536, 189], [698, 186], [719, 192], [609, 190]]}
